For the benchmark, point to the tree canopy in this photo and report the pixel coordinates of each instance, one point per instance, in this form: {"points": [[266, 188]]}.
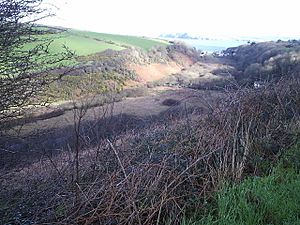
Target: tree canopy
{"points": [[25, 59]]}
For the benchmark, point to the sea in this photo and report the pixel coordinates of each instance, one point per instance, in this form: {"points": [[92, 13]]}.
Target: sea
{"points": [[211, 45]]}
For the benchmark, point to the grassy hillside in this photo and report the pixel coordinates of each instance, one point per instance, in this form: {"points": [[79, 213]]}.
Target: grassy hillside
{"points": [[81, 45], [120, 40], [85, 42]]}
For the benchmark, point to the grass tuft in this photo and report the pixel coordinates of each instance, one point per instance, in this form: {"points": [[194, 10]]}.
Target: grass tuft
{"points": [[274, 199]]}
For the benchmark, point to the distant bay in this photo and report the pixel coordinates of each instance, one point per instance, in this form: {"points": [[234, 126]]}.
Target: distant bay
{"points": [[210, 45]]}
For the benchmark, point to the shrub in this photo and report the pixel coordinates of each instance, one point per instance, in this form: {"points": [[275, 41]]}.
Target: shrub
{"points": [[170, 102], [274, 199], [157, 175]]}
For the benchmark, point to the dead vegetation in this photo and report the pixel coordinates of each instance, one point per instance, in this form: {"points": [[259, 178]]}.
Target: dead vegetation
{"points": [[158, 174]]}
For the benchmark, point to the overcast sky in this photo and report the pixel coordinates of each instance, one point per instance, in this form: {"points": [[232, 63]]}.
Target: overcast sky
{"points": [[201, 17]]}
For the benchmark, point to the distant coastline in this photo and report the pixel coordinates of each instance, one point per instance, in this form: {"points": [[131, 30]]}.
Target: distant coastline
{"points": [[209, 45], [213, 44]]}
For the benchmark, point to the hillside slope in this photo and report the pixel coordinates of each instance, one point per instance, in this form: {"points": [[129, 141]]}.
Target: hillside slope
{"points": [[86, 43], [265, 61]]}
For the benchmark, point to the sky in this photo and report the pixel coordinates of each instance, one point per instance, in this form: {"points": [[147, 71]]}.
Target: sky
{"points": [[214, 18]]}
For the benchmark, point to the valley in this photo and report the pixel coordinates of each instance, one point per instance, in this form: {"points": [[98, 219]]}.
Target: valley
{"points": [[134, 130]]}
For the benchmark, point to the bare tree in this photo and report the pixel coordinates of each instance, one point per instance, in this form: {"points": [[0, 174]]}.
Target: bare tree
{"points": [[26, 59]]}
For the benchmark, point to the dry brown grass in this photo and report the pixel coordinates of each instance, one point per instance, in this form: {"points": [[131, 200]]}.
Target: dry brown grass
{"points": [[159, 174]]}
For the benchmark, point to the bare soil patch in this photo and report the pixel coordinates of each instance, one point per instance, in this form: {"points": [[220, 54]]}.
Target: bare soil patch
{"points": [[155, 71]]}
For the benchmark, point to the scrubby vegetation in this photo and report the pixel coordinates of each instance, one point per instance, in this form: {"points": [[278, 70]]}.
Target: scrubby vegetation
{"points": [[265, 61], [232, 157], [73, 87], [272, 199], [99, 57], [102, 72], [170, 170]]}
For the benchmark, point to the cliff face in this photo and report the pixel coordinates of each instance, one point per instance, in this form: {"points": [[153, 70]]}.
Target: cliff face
{"points": [[122, 62], [161, 63], [112, 70]]}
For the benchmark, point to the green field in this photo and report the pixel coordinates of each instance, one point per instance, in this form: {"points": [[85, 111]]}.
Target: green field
{"points": [[85, 42], [81, 45], [121, 40]]}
